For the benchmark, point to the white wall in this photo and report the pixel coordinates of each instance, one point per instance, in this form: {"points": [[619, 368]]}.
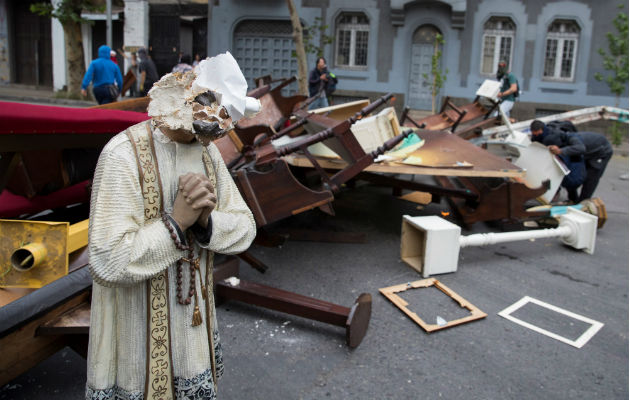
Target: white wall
{"points": [[58, 52], [136, 28]]}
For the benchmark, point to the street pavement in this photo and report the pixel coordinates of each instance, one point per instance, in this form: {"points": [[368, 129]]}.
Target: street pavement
{"points": [[271, 355]]}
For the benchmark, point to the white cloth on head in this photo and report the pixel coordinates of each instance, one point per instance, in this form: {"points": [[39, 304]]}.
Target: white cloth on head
{"points": [[222, 75]]}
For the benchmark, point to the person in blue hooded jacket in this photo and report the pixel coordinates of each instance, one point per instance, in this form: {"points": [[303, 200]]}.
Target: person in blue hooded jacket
{"points": [[105, 77]]}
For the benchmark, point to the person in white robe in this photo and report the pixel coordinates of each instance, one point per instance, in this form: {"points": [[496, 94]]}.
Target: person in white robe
{"points": [[128, 251]]}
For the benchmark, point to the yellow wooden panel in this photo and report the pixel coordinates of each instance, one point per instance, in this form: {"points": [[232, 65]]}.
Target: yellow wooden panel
{"points": [[78, 235]]}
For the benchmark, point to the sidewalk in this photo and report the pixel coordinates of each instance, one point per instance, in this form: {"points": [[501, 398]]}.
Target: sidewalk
{"points": [[32, 94]]}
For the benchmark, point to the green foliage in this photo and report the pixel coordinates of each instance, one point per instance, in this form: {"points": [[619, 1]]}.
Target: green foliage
{"points": [[617, 131], [616, 58], [615, 61], [312, 34], [68, 11], [437, 78]]}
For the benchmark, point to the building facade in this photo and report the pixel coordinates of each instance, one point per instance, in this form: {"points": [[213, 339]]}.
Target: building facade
{"points": [[386, 46], [378, 46]]}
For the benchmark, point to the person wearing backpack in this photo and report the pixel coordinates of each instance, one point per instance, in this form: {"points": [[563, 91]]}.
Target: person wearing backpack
{"points": [[318, 81], [509, 88], [585, 153]]}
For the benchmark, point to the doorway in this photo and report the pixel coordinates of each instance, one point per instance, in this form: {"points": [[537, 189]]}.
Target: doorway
{"points": [[33, 46], [422, 49]]}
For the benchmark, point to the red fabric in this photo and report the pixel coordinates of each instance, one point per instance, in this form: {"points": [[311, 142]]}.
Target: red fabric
{"points": [[20, 118], [12, 206]]}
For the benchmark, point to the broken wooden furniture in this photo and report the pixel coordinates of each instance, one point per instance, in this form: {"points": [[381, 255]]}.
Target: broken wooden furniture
{"points": [[451, 117], [272, 191], [354, 320], [276, 109], [494, 199], [431, 245], [480, 185], [391, 294]]}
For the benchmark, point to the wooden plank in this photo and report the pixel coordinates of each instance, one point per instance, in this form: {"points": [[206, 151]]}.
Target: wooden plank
{"points": [[297, 160], [418, 197], [390, 293], [74, 321], [139, 104], [22, 349], [440, 149], [342, 111]]}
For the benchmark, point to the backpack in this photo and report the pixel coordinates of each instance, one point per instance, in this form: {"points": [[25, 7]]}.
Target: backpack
{"points": [[331, 86], [565, 126], [518, 86]]}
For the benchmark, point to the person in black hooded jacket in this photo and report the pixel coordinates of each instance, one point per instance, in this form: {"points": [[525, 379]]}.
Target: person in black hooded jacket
{"points": [[593, 147]]}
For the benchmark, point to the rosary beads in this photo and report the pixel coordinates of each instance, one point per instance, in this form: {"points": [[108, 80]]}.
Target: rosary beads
{"points": [[193, 267]]}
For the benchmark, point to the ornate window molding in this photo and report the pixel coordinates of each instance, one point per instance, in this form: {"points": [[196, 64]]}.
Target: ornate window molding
{"points": [[561, 45], [352, 32], [497, 44]]}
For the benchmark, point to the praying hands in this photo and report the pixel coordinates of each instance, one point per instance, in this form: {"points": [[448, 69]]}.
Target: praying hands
{"points": [[195, 200]]}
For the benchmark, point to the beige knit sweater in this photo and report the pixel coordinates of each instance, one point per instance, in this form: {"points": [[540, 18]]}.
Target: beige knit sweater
{"points": [[125, 251]]}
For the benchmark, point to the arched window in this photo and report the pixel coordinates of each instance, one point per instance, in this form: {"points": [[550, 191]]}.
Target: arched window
{"points": [[352, 31], [425, 34], [498, 39], [561, 50]]}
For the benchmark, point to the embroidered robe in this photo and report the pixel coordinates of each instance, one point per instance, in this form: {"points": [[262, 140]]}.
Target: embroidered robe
{"points": [[126, 250]]}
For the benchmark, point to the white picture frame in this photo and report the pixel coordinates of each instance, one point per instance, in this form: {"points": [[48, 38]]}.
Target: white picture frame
{"points": [[579, 342]]}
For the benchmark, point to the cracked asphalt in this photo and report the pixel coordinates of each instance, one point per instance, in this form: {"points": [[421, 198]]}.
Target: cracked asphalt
{"points": [[270, 355]]}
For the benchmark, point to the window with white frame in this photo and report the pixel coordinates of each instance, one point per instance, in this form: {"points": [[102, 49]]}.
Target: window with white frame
{"points": [[498, 40], [561, 50], [352, 31]]}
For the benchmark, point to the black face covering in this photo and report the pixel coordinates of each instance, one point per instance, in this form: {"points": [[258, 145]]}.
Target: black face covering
{"points": [[502, 70]]}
